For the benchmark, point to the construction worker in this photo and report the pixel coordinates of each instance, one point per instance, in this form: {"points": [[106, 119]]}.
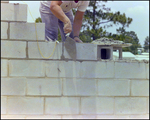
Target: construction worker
{"points": [[58, 14]]}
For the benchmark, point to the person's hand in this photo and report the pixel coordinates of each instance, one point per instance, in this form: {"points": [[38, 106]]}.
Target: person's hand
{"points": [[78, 40], [67, 27]]}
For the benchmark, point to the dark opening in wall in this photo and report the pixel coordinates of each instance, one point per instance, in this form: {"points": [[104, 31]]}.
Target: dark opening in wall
{"points": [[105, 53]]}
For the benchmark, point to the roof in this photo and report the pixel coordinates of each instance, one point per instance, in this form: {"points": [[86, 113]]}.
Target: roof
{"points": [[143, 56], [124, 54], [147, 54]]}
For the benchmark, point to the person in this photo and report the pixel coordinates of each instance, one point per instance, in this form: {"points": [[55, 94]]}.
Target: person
{"points": [[58, 14]]}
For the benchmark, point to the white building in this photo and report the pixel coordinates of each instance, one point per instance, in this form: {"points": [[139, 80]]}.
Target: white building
{"points": [[125, 55], [131, 56], [143, 56]]}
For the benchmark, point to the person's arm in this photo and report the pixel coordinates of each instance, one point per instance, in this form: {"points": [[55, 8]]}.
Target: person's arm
{"points": [[58, 12], [77, 25]]}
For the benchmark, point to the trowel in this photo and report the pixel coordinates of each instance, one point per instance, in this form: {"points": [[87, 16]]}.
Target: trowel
{"points": [[70, 46]]}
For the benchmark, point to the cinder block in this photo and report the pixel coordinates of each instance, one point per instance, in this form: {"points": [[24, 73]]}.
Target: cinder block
{"points": [[139, 88], [146, 116], [27, 31], [4, 1], [114, 87], [148, 105], [25, 105], [26, 68], [45, 48], [130, 105], [13, 86], [13, 49], [97, 69], [12, 12], [62, 69], [43, 117], [44, 87], [13, 116], [4, 29], [3, 104], [130, 70], [85, 51], [112, 116], [79, 117], [104, 52], [62, 105], [97, 105], [147, 71], [4, 68], [79, 87]]}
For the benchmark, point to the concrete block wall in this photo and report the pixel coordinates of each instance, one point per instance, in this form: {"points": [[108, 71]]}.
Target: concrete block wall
{"points": [[34, 87]]}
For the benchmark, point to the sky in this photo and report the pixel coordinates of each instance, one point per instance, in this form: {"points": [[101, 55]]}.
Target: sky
{"points": [[137, 10]]}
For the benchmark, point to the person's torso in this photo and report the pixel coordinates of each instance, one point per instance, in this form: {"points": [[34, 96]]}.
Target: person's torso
{"points": [[67, 5]]}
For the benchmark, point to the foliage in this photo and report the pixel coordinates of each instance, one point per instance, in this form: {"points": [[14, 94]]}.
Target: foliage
{"points": [[38, 20], [125, 22], [146, 44], [98, 16]]}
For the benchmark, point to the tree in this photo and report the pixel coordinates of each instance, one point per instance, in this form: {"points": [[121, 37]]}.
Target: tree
{"points": [[135, 41], [146, 44], [97, 17], [125, 22]]}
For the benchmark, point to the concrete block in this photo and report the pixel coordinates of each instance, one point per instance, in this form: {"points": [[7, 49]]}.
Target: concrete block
{"points": [[13, 116], [12, 12], [97, 105], [25, 105], [97, 69], [13, 86], [79, 87], [114, 87], [62, 69], [3, 104], [4, 30], [45, 48], [148, 105], [27, 31], [146, 116], [112, 116], [55, 68], [44, 87], [13, 49], [27, 68], [4, 1], [4, 67], [147, 71], [85, 51], [104, 52], [62, 105], [43, 116], [130, 70], [139, 88], [130, 105], [79, 117]]}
